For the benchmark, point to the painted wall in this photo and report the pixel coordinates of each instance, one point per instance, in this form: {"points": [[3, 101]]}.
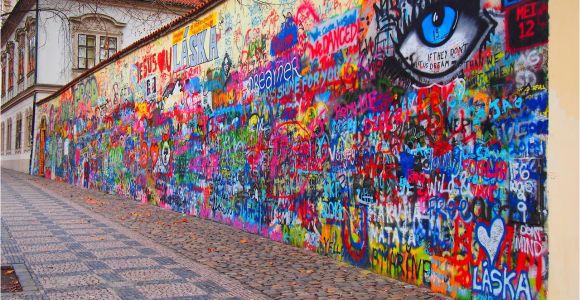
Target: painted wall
{"points": [[404, 137]]}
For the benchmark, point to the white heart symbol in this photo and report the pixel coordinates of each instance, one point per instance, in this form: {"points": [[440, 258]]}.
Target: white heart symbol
{"points": [[491, 241]]}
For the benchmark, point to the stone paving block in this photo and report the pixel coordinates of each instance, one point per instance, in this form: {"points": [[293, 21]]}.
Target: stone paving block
{"points": [[96, 265], [102, 293], [104, 244], [67, 239], [111, 277], [38, 241], [57, 281], [58, 232], [34, 234], [51, 268], [164, 260], [109, 230], [115, 253], [86, 255], [75, 246], [146, 251], [140, 262], [155, 274], [91, 231], [28, 228], [120, 236], [91, 238], [132, 243], [171, 290], [184, 273], [129, 293], [210, 287], [49, 257]]}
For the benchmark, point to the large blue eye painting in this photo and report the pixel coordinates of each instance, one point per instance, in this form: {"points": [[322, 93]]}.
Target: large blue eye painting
{"points": [[436, 44], [438, 25]]}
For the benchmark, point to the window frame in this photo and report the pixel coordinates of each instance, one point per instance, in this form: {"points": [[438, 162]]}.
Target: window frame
{"points": [[2, 135], [107, 49], [31, 43], [18, 133], [10, 74], [21, 52], [3, 62], [86, 47], [28, 132], [9, 136]]}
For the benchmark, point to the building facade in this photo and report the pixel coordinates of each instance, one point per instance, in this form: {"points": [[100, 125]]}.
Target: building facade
{"points": [[44, 48]]}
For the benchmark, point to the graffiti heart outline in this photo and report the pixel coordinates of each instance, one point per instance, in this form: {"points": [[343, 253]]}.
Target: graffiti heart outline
{"points": [[490, 237]]}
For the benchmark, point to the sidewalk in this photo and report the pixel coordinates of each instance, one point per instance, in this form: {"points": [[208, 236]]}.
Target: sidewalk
{"points": [[87, 231]]}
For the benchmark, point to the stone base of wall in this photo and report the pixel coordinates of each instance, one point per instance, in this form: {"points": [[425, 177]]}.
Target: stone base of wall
{"points": [[20, 165]]}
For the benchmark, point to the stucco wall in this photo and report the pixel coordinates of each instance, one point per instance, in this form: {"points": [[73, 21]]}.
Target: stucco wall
{"points": [[407, 140], [17, 160], [563, 152]]}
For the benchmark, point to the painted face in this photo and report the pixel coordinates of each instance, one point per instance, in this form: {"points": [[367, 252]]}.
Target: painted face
{"points": [[154, 153], [165, 153], [143, 157]]}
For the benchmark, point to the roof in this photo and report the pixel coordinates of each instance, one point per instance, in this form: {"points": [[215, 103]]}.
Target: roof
{"points": [[187, 3], [201, 7]]}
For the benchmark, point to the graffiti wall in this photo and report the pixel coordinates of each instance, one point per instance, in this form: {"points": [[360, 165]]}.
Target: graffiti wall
{"points": [[406, 137]]}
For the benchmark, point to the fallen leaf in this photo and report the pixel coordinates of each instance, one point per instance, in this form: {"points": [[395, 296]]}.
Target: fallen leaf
{"points": [[184, 220], [243, 241], [91, 201]]}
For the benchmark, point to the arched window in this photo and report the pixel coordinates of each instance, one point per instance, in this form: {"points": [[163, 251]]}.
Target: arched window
{"points": [[18, 141], [20, 38], [4, 54], [9, 136], [31, 41], [10, 74], [28, 132], [2, 138]]}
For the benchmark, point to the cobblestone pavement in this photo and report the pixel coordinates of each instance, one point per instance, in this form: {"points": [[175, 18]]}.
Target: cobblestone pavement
{"points": [[269, 269], [72, 253]]}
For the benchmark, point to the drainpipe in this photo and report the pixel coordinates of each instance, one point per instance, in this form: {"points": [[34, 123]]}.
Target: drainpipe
{"points": [[31, 137]]}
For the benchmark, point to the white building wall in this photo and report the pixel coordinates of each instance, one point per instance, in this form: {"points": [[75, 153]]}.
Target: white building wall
{"points": [[16, 160], [56, 54]]}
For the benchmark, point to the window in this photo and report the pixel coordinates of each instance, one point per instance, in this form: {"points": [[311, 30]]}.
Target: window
{"points": [[18, 142], [28, 132], [31, 41], [108, 47], [3, 74], [9, 136], [86, 51], [21, 48], [2, 138], [10, 74], [31, 54]]}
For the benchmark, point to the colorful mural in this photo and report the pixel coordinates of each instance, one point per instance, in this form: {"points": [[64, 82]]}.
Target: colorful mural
{"points": [[406, 137]]}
